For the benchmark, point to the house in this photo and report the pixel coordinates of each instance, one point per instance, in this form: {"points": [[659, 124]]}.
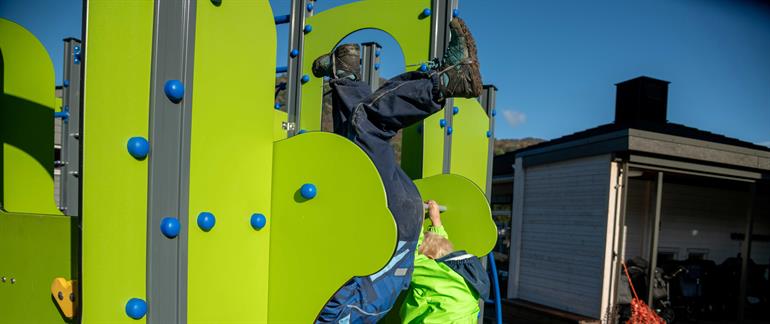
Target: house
{"points": [[639, 187]]}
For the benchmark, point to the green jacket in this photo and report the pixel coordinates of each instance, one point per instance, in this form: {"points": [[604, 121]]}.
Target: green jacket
{"points": [[446, 290]]}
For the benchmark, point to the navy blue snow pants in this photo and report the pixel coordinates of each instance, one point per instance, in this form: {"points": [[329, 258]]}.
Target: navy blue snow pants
{"points": [[370, 121]]}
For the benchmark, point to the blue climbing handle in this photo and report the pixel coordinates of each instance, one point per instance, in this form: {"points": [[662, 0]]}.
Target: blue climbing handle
{"points": [[283, 19]]}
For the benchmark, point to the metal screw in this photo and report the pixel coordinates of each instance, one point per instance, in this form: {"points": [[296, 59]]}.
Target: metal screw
{"points": [[61, 296], [72, 297], [3, 279], [13, 280], [288, 126]]}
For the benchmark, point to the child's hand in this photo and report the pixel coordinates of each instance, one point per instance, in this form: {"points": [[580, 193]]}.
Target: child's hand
{"points": [[434, 213]]}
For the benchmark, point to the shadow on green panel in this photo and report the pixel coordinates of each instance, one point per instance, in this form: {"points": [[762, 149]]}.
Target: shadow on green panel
{"points": [[19, 118]]}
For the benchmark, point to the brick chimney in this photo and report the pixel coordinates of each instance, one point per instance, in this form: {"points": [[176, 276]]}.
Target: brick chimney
{"points": [[641, 100]]}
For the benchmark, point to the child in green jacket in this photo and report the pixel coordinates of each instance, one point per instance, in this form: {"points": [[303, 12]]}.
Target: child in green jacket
{"points": [[446, 284]]}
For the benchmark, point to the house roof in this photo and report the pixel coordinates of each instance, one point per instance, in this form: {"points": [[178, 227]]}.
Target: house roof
{"points": [[676, 141], [673, 129]]}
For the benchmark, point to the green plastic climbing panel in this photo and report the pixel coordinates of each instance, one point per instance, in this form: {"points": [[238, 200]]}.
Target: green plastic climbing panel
{"points": [[433, 145], [116, 107], [35, 238], [403, 21], [26, 123], [400, 19], [320, 243], [470, 144], [35, 249], [231, 161], [468, 219]]}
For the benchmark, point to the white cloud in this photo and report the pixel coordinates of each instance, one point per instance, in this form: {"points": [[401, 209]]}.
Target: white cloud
{"points": [[514, 118]]}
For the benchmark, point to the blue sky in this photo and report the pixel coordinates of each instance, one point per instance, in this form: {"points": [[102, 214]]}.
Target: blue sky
{"points": [[555, 62]]}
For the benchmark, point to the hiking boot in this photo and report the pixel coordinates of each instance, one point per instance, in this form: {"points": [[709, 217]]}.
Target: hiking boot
{"points": [[343, 62], [459, 72]]}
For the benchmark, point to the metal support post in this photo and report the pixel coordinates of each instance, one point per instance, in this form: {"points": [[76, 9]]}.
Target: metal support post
{"points": [[488, 100], [168, 183], [69, 194], [297, 30], [617, 270], [440, 36], [746, 252], [370, 63], [655, 238]]}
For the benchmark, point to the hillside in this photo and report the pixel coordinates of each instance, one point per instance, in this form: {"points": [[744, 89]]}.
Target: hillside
{"points": [[506, 145]]}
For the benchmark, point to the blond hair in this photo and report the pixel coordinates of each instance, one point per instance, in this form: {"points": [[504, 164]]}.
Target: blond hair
{"points": [[435, 246]]}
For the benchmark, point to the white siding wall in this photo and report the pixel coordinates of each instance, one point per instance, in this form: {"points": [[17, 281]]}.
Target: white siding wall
{"points": [[692, 217], [563, 228]]}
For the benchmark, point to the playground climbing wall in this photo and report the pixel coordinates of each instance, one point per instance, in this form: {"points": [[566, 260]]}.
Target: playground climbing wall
{"points": [[197, 207]]}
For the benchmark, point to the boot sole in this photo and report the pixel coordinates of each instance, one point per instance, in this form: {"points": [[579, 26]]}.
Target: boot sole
{"points": [[472, 56]]}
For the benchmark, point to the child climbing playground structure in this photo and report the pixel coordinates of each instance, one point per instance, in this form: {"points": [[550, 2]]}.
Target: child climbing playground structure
{"points": [[186, 197]]}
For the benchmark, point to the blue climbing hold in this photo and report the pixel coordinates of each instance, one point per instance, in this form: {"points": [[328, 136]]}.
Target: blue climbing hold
{"points": [[494, 112], [305, 78], [302, 131], [136, 308], [455, 110], [489, 134], [174, 90], [442, 123], [138, 147], [66, 83], [308, 191], [449, 130], [426, 12], [277, 105], [169, 226], [308, 28], [64, 114], [294, 53], [423, 68], [377, 53], [258, 221], [206, 221], [455, 12], [376, 66], [309, 6]]}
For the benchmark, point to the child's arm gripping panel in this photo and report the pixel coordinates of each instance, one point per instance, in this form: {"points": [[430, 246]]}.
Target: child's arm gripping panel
{"points": [[467, 217]]}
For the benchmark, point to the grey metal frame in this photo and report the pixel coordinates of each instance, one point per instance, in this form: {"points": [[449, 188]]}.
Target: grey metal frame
{"points": [[488, 101], [621, 239], [369, 59], [746, 253], [440, 37], [169, 161], [299, 13], [655, 239], [69, 195]]}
